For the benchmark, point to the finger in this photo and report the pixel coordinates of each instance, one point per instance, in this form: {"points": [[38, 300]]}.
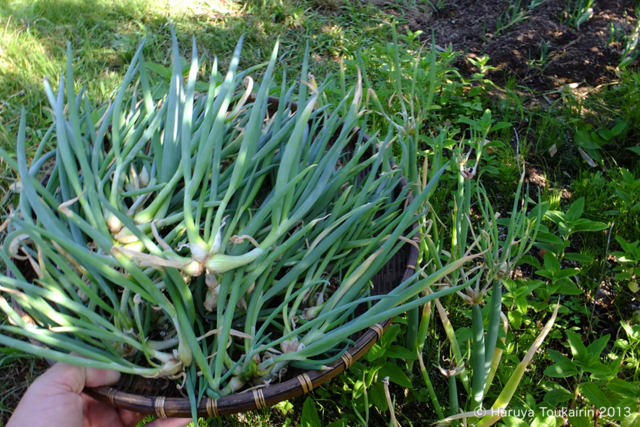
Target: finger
{"points": [[100, 377], [130, 418], [96, 413], [68, 378], [170, 422], [56, 395], [63, 378]]}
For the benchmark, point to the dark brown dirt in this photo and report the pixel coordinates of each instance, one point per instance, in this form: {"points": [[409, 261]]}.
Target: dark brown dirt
{"points": [[541, 51]]}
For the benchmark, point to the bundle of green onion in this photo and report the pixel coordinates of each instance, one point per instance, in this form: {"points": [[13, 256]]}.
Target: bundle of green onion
{"points": [[181, 228]]}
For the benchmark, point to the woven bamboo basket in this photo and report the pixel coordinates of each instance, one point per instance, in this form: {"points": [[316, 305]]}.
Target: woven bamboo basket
{"points": [[160, 397]]}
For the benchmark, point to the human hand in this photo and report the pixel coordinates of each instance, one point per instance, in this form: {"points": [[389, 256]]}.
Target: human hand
{"points": [[56, 400]]}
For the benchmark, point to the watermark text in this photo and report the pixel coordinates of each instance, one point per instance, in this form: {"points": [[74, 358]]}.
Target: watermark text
{"points": [[555, 412]]}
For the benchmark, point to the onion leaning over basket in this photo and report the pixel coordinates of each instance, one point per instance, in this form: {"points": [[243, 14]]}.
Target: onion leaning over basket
{"points": [[179, 231]]}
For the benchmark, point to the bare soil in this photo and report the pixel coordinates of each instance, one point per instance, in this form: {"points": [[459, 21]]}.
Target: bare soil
{"points": [[541, 50]]}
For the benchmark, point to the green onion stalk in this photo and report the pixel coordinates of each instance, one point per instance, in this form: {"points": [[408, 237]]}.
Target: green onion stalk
{"points": [[511, 385], [195, 228], [411, 124], [401, 127], [501, 255]]}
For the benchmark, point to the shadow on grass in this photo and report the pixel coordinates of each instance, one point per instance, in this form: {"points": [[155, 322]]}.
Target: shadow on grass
{"points": [[105, 35]]}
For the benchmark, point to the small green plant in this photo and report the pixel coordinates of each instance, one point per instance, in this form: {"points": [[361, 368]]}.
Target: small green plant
{"points": [[578, 12], [310, 417], [363, 387], [614, 399], [631, 51], [384, 358], [517, 299], [559, 278], [438, 5], [593, 140], [630, 358], [514, 14], [627, 193], [586, 360], [482, 63], [614, 195], [535, 3], [566, 224], [628, 259], [542, 62]]}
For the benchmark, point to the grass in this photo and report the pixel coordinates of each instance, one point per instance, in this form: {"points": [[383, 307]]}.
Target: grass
{"points": [[17, 372], [104, 35]]}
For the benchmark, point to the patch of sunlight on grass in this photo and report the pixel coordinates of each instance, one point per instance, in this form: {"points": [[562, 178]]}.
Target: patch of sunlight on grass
{"points": [[104, 36]]}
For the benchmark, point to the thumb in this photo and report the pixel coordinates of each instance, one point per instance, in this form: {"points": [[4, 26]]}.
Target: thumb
{"points": [[56, 396], [100, 377], [70, 378]]}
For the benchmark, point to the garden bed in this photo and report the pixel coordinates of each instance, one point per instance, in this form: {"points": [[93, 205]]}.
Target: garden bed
{"points": [[534, 43]]}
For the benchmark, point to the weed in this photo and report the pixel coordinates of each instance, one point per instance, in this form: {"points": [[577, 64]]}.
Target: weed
{"points": [[628, 259], [578, 12], [438, 5], [535, 3], [631, 50], [543, 60], [514, 14]]}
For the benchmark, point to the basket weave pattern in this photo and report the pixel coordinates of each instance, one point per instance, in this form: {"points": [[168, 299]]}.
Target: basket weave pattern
{"points": [[159, 397]]}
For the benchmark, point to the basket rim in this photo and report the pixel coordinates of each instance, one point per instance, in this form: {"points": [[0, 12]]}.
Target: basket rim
{"points": [[244, 401], [257, 398]]}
